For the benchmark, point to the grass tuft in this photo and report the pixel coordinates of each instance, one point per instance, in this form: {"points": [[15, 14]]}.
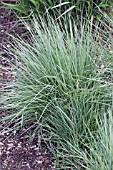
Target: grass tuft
{"points": [[63, 81]]}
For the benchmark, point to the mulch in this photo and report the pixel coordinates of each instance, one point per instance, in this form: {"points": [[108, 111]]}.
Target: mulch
{"points": [[18, 152]]}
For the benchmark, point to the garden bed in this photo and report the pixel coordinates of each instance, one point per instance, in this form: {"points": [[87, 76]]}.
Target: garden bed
{"points": [[18, 152]]}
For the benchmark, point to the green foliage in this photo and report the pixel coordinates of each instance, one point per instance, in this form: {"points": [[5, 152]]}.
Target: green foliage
{"points": [[73, 151], [101, 147], [64, 82], [59, 7]]}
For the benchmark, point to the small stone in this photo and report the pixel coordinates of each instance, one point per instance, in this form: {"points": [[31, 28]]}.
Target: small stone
{"points": [[40, 157], [1, 144], [8, 46], [38, 153], [39, 162], [47, 161], [10, 146]]}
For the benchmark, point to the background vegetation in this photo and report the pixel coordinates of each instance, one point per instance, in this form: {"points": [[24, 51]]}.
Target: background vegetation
{"points": [[59, 7]]}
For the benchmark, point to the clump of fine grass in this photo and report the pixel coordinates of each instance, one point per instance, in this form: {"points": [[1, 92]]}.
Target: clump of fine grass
{"points": [[62, 81], [84, 133], [101, 147], [73, 152]]}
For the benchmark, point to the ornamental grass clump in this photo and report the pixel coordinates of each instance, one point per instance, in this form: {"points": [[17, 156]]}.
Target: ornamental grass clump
{"points": [[91, 150], [84, 133], [63, 81]]}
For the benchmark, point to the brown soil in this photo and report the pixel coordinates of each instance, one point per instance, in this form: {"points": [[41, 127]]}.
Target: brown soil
{"points": [[18, 152]]}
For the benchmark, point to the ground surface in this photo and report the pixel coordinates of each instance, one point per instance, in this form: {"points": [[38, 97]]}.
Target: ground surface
{"points": [[18, 152]]}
